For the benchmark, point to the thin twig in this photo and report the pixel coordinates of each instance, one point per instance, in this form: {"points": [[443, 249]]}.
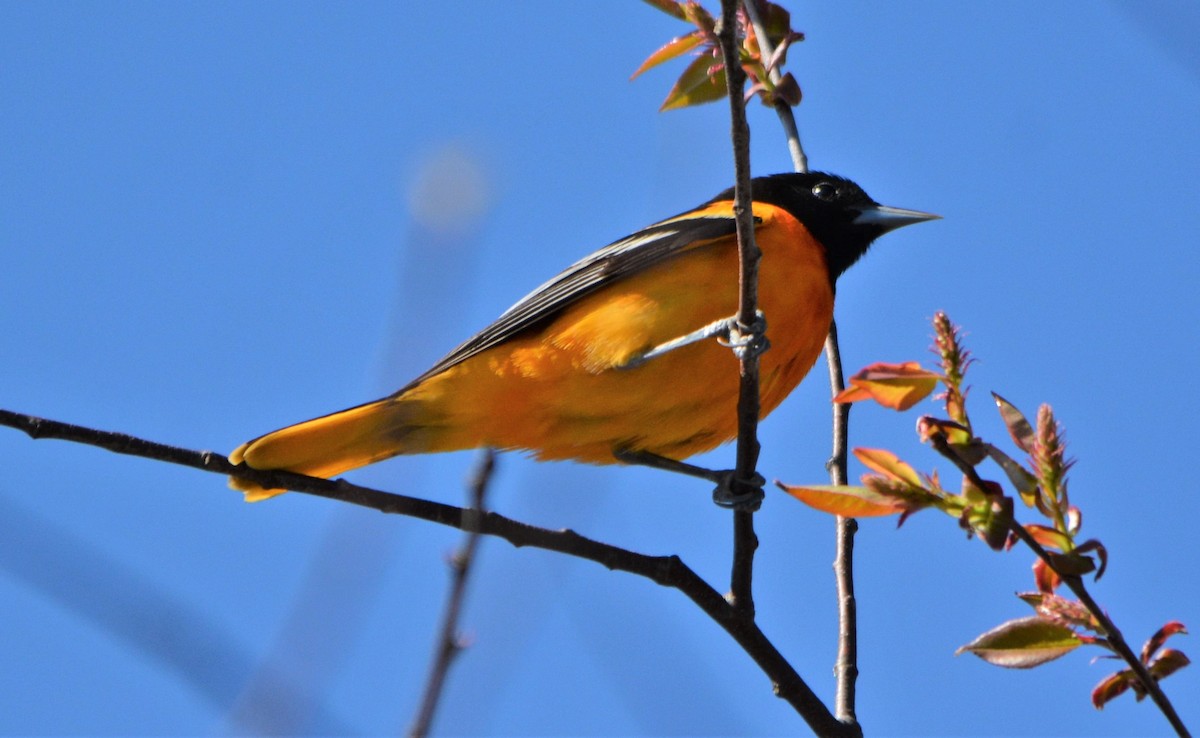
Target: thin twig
{"points": [[786, 118], [1075, 583], [668, 571], [839, 458], [450, 642], [744, 539], [846, 667]]}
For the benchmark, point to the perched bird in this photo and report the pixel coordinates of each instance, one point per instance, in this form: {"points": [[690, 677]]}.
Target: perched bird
{"points": [[614, 355]]}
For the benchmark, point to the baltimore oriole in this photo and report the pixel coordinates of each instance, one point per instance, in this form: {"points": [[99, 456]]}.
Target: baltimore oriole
{"points": [[605, 357]]}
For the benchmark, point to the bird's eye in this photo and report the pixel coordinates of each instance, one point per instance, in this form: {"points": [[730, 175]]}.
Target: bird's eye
{"points": [[826, 191]]}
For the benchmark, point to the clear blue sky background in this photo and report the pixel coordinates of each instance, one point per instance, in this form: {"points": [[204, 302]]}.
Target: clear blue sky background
{"points": [[208, 230]]}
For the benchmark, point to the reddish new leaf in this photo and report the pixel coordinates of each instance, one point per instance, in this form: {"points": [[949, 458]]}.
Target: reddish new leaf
{"points": [[958, 437], [788, 90], [1048, 537], [703, 81], [674, 48], [852, 394], [1072, 563], [889, 465], [847, 500], [1160, 637], [898, 386], [1101, 553], [1018, 427], [695, 14], [1046, 579], [1168, 662], [1023, 643], [1113, 686]]}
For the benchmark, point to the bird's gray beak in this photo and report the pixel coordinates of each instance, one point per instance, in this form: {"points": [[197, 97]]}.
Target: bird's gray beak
{"points": [[889, 219]]}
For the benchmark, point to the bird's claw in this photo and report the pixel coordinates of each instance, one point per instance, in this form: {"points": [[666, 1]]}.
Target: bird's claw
{"points": [[747, 341], [732, 493]]}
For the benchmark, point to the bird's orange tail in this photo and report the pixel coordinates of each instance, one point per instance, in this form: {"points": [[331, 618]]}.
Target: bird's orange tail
{"points": [[329, 445]]}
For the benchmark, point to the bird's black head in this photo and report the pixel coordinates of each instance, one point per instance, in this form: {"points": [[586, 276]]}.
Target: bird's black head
{"points": [[835, 210]]}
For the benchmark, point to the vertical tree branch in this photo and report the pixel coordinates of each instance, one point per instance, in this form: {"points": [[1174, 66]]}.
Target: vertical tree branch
{"points": [[846, 666], [845, 669], [449, 642], [744, 539]]}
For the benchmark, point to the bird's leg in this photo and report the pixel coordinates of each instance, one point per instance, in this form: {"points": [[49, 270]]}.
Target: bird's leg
{"points": [[727, 331], [723, 494], [720, 327], [645, 458]]}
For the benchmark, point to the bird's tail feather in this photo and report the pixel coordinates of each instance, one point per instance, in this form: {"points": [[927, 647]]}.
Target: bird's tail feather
{"points": [[329, 445]]}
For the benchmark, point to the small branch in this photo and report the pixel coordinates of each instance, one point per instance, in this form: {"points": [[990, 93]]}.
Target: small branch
{"points": [[1111, 633], [668, 571], [782, 109], [846, 667], [839, 458], [1076, 585], [744, 540], [449, 642]]}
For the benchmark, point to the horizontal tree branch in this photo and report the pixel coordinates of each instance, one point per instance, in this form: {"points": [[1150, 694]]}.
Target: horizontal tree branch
{"points": [[668, 571]]}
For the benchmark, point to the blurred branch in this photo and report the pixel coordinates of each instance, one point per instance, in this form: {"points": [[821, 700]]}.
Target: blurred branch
{"points": [[668, 571], [450, 642], [340, 581], [744, 540], [120, 600]]}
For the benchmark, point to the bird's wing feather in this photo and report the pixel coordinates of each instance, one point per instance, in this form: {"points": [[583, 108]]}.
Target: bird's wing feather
{"points": [[650, 246]]}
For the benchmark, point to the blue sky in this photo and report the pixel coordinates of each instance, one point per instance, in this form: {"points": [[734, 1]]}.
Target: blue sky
{"points": [[209, 229]]}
